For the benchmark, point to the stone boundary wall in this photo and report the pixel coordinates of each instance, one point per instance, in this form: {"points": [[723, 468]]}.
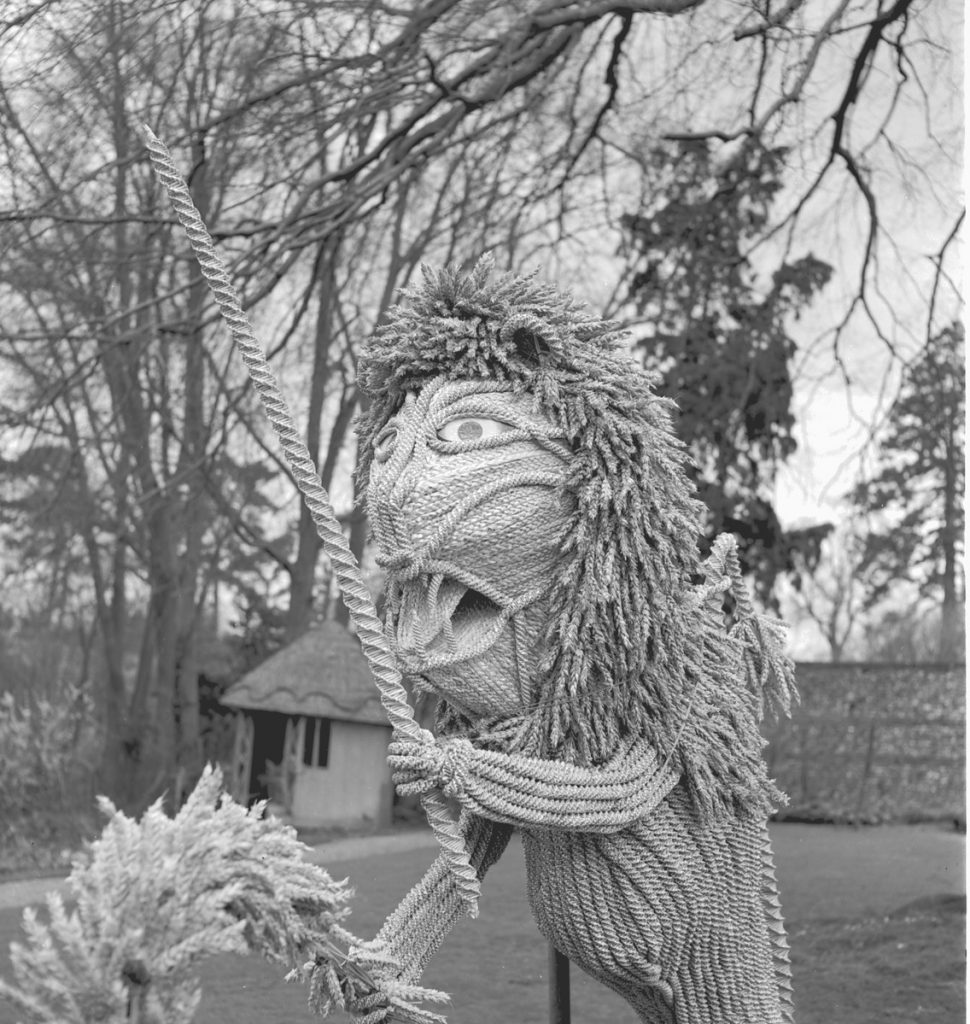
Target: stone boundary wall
{"points": [[873, 743]]}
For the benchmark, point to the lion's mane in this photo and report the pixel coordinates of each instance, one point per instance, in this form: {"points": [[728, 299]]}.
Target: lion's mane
{"points": [[629, 647]]}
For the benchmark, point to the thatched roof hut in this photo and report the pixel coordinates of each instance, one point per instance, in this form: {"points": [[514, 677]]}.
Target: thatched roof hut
{"points": [[311, 734], [322, 674]]}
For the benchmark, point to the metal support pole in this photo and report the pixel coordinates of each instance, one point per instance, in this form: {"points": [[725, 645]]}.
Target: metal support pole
{"points": [[558, 987]]}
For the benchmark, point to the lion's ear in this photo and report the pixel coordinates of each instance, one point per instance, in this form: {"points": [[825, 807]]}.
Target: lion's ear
{"points": [[532, 347], [532, 339]]}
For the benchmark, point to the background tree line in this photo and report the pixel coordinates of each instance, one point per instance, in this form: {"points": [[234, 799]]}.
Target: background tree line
{"points": [[703, 171]]}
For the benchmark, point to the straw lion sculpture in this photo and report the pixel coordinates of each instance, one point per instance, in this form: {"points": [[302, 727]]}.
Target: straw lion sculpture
{"points": [[531, 508]]}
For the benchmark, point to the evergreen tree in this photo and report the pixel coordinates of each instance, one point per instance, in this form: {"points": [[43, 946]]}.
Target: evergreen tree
{"points": [[915, 496], [719, 335]]}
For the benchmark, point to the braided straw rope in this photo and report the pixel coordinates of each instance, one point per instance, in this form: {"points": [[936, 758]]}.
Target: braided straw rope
{"points": [[345, 567]]}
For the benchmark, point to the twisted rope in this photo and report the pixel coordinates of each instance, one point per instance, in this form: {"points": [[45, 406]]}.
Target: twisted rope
{"points": [[355, 594]]}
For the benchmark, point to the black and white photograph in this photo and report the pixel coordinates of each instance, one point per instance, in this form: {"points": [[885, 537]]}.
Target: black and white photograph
{"points": [[482, 512]]}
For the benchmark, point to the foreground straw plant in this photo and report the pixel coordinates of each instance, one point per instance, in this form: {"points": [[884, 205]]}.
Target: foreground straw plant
{"points": [[150, 899]]}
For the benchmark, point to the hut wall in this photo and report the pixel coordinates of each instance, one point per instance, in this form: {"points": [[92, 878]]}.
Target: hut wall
{"points": [[355, 784]]}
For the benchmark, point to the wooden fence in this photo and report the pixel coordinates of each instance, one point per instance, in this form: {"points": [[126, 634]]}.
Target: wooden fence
{"points": [[873, 743]]}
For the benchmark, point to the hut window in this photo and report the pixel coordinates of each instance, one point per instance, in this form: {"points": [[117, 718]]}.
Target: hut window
{"points": [[316, 745]]}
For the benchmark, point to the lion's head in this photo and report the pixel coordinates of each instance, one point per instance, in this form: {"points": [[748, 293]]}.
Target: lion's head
{"points": [[530, 502]]}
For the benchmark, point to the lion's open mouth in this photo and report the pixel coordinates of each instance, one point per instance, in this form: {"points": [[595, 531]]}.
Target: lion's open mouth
{"points": [[472, 603], [444, 621]]}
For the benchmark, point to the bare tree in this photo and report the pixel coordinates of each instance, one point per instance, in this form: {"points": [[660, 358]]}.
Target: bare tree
{"points": [[828, 589], [110, 354]]}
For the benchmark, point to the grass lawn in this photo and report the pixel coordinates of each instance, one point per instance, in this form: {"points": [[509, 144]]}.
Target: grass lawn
{"points": [[907, 966], [875, 922]]}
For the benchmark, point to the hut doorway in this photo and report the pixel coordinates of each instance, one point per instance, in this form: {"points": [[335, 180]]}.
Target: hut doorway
{"points": [[269, 745]]}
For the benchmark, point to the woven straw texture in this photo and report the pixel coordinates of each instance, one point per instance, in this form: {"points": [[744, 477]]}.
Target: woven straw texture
{"points": [[540, 538]]}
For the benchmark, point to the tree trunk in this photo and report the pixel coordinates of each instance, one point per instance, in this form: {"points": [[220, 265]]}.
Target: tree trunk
{"points": [[119, 356], [304, 565], [357, 541], [950, 650], [188, 734], [153, 726]]}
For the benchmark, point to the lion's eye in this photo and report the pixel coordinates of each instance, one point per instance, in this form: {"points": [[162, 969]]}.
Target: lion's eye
{"points": [[472, 428]]}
